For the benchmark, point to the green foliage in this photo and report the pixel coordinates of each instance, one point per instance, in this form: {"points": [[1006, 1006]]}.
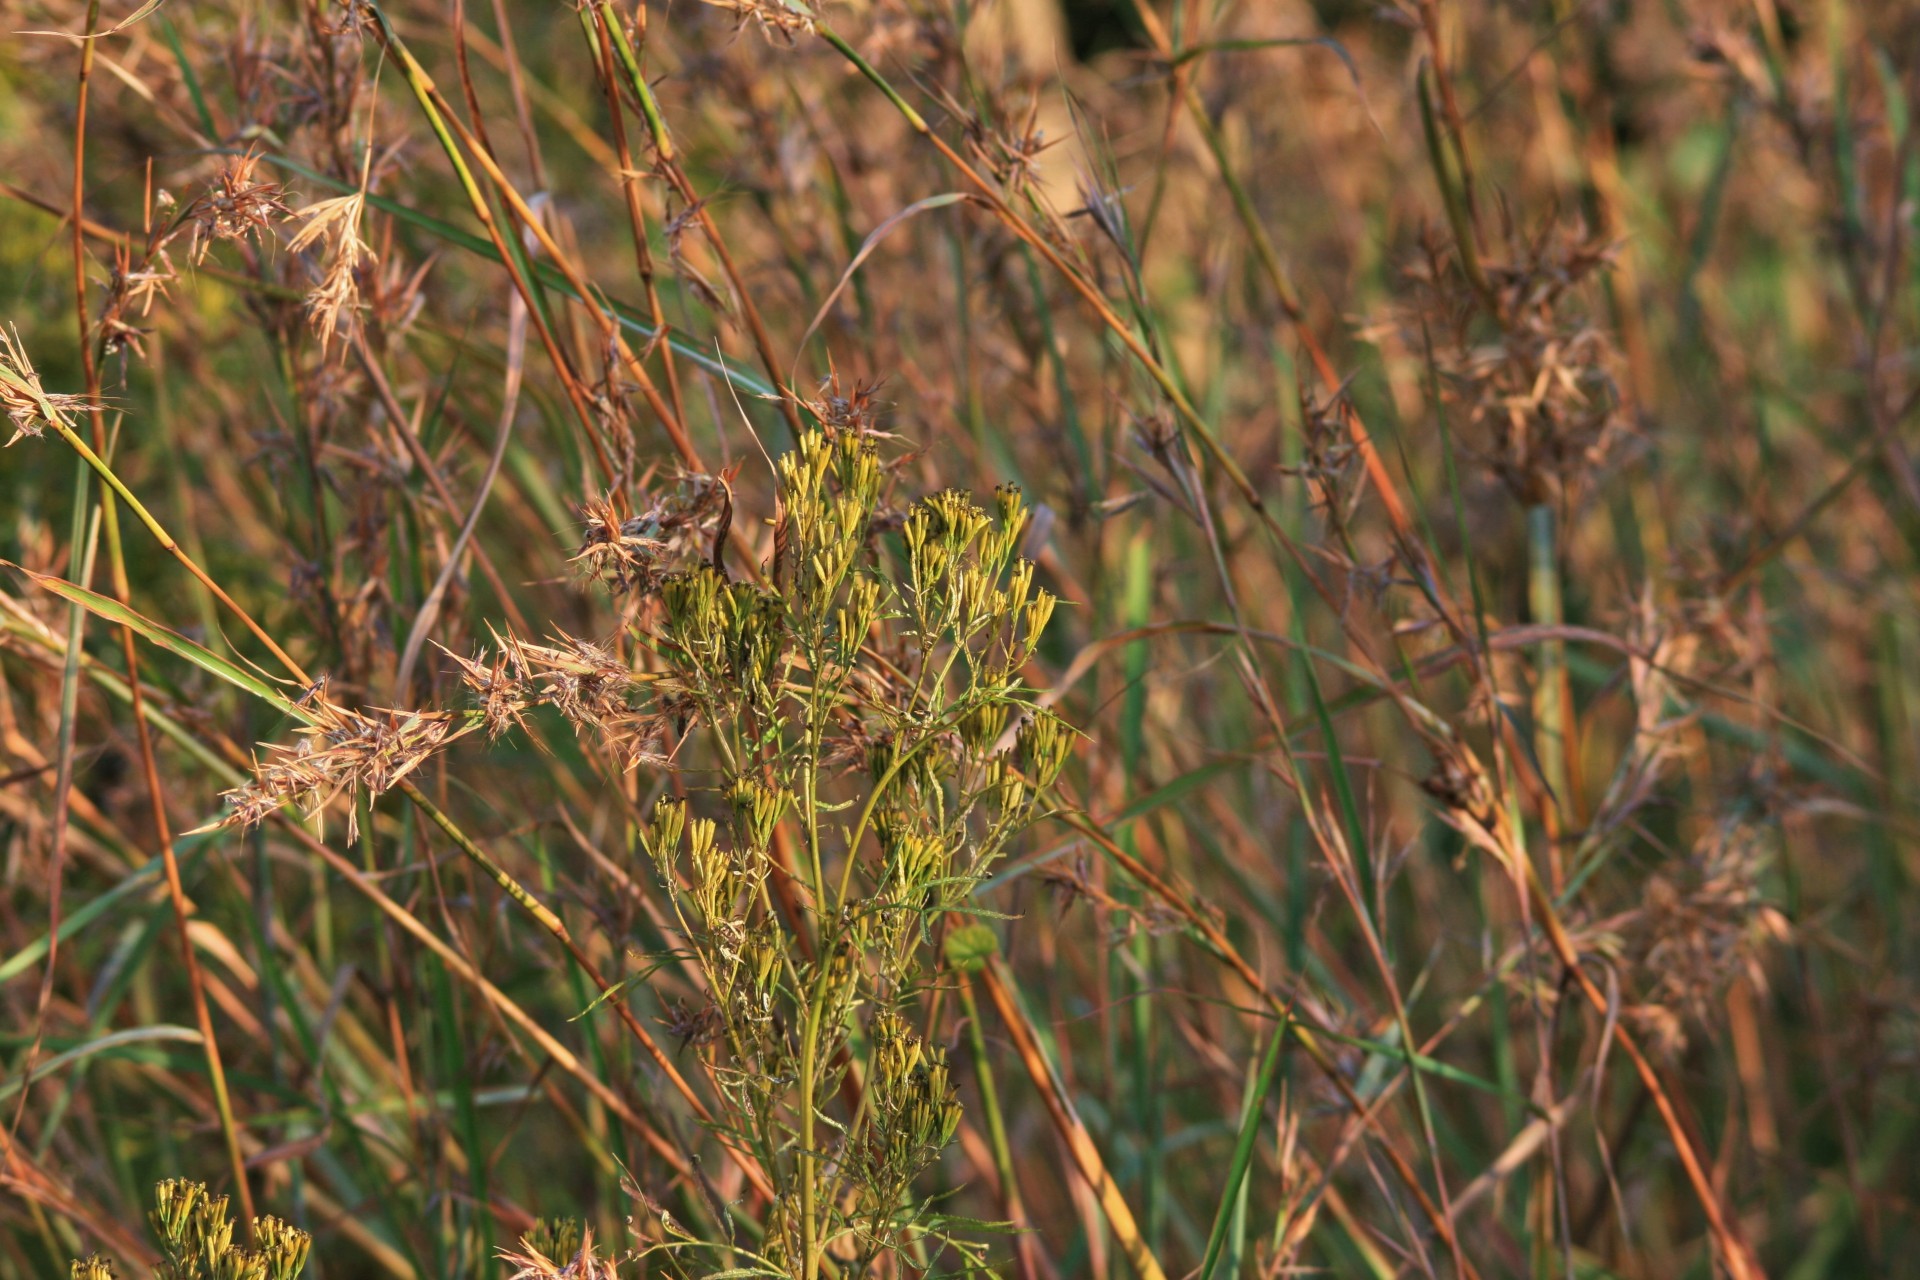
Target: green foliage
{"points": [[197, 1241], [861, 694]]}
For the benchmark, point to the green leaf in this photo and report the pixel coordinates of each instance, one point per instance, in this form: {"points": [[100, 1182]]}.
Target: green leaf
{"points": [[1243, 1149], [1167, 792], [113, 1040], [971, 946], [113, 611], [72, 922]]}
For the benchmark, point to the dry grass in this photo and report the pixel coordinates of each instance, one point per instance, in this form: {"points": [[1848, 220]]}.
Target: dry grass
{"points": [[535, 724]]}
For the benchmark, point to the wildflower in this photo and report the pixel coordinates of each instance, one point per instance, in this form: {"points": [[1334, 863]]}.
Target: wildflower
{"points": [[862, 686], [197, 1239]]}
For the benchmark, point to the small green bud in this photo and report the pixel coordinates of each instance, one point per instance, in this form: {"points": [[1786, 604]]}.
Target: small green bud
{"points": [[1038, 612], [976, 597], [715, 882], [859, 610], [667, 825], [211, 1233], [282, 1247], [982, 726], [174, 1201], [692, 617], [1003, 787], [915, 859], [757, 809], [1045, 744], [236, 1264]]}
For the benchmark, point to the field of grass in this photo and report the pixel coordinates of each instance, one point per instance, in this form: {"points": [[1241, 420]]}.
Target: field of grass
{"points": [[1049, 638]]}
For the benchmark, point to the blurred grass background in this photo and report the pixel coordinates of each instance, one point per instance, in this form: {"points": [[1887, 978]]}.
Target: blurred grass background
{"points": [[1548, 371]]}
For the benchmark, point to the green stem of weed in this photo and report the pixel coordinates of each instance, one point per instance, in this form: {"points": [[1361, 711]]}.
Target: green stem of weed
{"points": [[990, 1103]]}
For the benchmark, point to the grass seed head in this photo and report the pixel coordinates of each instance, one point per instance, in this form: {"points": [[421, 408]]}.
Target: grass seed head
{"points": [[359, 753], [236, 206], [335, 223], [30, 407]]}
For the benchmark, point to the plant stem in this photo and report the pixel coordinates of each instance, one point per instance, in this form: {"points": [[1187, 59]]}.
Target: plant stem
{"points": [[1550, 720]]}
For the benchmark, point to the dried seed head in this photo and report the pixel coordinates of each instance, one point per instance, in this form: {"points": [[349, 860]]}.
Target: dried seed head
{"points": [[1542, 390], [841, 411], [1706, 921], [504, 693], [131, 289], [780, 20], [337, 295], [569, 1257], [1011, 153], [30, 407], [677, 526], [341, 750], [623, 554], [235, 206], [694, 1023]]}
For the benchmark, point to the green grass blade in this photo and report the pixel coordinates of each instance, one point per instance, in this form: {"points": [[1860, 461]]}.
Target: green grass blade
{"points": [[200, 656], [1250, 1119]]}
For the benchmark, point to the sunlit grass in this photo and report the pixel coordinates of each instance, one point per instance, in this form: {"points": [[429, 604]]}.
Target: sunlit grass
{"points": [[1143, 639]]}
